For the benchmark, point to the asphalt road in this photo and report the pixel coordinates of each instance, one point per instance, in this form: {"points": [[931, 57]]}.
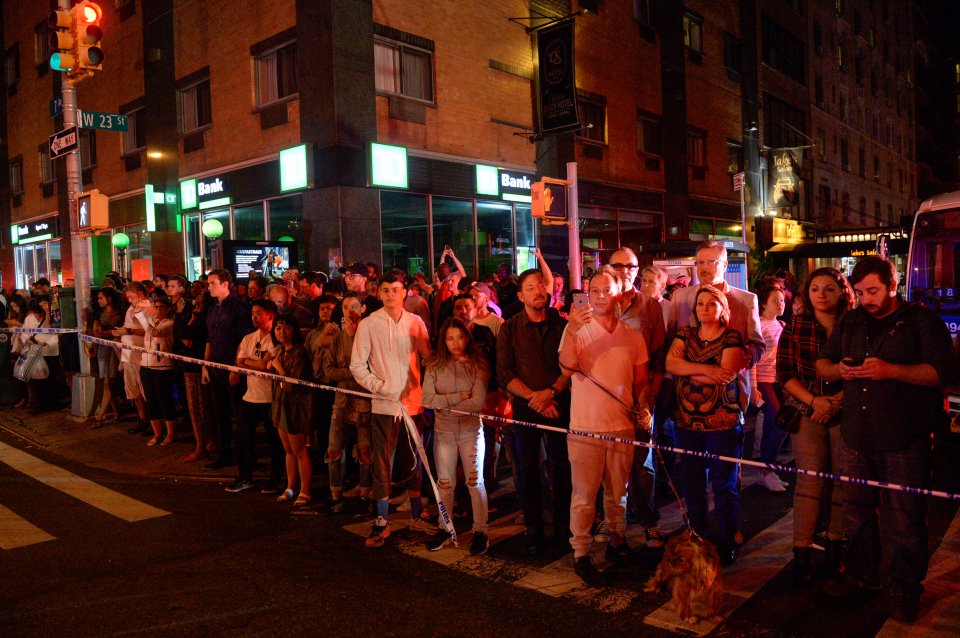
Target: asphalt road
{"points": [[183, 558]]}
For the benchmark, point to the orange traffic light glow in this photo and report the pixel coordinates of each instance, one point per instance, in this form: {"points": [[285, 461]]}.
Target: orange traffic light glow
{"points": [[91, 13]]}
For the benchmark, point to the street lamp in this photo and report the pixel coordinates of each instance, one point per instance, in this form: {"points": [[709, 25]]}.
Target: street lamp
{"points": [[120, 241]]}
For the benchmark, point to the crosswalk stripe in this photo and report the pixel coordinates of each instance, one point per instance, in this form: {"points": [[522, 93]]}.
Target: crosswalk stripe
{"points": [[16, 531], [943, 618], [761, 558], [103, 498]]}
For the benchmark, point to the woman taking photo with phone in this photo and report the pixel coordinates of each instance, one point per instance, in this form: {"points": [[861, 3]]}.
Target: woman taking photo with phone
{"points": [[816, 446]]}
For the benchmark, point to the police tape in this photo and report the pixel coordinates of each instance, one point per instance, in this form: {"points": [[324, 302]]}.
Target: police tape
{"points": [[921, 491], [55, 331]]}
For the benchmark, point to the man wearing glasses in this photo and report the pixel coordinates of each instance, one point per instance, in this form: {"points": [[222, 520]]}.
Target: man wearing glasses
{"points": [[644, 314]]}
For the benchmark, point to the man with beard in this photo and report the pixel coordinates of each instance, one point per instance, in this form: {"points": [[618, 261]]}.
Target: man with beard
{"points": [[528, 367], [894, 359]]}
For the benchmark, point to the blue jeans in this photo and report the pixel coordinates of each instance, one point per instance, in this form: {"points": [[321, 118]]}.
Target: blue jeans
{"points": [[723, 478], [907, 529], [340, 434], [773, 437], [453, 442]]}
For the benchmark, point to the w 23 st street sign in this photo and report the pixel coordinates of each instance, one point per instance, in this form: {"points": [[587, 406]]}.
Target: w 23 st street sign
{"points": [[102, 121]]}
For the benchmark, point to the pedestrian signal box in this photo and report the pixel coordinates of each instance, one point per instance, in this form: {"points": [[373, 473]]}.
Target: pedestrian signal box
{"points": [[93, 210], [548, 200]]}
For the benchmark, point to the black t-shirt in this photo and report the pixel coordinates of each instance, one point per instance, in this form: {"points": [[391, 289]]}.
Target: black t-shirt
{"points": [[876, 327]]}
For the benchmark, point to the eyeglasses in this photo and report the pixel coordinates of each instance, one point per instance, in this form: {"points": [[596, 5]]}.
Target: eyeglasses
{"points": [[709, 262], [624, 266]]}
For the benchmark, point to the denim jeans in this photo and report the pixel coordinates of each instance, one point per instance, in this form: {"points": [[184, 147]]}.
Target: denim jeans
{"points": [[724, 477], [392, 445], [594, 463], [816, 447], [643, 480], [340, 434], [526, 448], [451, 442], [251, 415], [773, 437], [907, 527], [224, 408]]}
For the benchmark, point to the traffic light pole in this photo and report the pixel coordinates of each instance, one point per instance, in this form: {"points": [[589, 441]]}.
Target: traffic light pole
{"points": [[78, 245]]}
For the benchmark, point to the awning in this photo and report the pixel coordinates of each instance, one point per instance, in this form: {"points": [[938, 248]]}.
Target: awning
{"points": [[898, 246]]}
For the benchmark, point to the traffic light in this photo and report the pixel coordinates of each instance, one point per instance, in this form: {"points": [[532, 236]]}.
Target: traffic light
{"points": [[87, 33], [548, 200], [61, 41], [93, 210]]}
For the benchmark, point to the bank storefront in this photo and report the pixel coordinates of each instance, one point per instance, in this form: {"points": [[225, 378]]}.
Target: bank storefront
{"points": [[36, 250], [428, 202]]}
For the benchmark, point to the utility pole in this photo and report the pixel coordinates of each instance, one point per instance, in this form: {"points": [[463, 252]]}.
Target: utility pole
{"points": [[573, 216], [78, 245]]}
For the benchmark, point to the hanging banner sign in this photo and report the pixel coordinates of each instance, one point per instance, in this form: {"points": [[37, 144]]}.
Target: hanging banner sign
{"points": [[783, 179], [556, 89]]}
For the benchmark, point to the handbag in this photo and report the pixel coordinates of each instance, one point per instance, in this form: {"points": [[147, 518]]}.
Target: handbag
{"points": [[789, 416], [31, 365]]}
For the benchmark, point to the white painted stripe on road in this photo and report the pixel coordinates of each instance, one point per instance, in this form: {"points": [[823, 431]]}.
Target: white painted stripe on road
{"points": [[761, 558], [16, 531], [943, 618], [103, 498]]}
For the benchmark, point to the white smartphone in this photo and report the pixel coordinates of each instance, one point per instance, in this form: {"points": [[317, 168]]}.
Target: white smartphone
{"points": [[580, 299]]}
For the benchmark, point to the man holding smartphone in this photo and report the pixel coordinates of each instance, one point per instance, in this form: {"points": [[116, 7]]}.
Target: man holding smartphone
{"points": [[894, 359]]}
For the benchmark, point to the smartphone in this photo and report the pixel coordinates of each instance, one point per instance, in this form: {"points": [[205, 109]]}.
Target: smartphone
{"points": [[580, 299], [532, 250], [853, 361]]}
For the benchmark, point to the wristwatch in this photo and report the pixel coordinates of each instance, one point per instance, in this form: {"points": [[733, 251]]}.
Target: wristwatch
{"points": [[553, 391]]}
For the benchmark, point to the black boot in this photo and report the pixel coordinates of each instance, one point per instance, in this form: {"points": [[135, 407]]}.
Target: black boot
{"points": [[834, 558], [801, 565]]}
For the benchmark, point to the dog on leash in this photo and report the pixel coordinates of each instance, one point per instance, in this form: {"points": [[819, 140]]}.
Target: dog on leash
{"points": [[691, 568]]}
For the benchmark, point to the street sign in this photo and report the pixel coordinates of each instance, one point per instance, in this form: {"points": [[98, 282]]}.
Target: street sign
{"points": [[56, 106], [102, 121], [737, 182], [63, 142]]}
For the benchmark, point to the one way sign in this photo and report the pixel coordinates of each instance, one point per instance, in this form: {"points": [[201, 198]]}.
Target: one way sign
{"points": [[63, 142]]}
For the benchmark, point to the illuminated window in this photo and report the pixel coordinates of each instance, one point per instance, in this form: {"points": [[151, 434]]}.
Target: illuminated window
{"points": [[401, 69], [276, 74]]}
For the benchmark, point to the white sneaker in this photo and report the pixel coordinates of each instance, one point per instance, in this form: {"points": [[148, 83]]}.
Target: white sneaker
{"points": [[602, 535], [772, 482], [653, 537]]}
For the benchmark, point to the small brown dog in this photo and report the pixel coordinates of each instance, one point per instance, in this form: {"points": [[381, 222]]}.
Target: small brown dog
{"points": [[691, 567]]}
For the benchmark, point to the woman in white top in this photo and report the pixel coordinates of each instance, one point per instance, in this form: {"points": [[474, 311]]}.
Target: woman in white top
{"points": [[44, 394], [772, 305], [157, 373]]}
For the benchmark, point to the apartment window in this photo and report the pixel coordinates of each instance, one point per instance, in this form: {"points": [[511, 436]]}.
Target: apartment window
{"points": [[844, 155], [843, 107], [782, 51], [824, 200], [276, 74], [862, 158], [822, 144], [838, 6], [593, 118], [889, 174], [841, 58], [863, 209], [845, 206], [88, 148], [876, 167], [858, 70], [41, 45], [402, 69], [731, 53], [876, 212], [818, 91], [784, 124], [697, 147], [817, 38], [195, 111], [693, 35], [46, 165], [900, 177], [16, 176], [648, 134], [642, 12], [11, 68], [734, 157], [135, 137]]}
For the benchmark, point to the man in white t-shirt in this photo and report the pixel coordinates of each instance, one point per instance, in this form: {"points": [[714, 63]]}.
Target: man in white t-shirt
{"points": [[607, 361], [253, 354], [485, 317]]}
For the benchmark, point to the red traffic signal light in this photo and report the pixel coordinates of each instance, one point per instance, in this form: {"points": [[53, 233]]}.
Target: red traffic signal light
{"points": [[87, 35]]}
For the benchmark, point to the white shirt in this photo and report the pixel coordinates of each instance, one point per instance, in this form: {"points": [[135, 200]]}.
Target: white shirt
{"points": [[256, 346], [135, 318], [386, 360]]}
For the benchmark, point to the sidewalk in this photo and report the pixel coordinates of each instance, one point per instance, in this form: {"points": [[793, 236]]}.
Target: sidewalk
{"points": [[110, 447]]}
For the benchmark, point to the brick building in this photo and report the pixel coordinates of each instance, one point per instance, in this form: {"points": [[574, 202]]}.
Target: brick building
{"points": [[418, 126]]}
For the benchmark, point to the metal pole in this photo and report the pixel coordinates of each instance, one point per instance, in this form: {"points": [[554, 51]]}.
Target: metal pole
{"points": [[573, 216], [78, 246], [743, 211]]}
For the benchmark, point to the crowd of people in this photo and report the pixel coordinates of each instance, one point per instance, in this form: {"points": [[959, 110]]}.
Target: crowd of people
{"points": [[639, 357]]}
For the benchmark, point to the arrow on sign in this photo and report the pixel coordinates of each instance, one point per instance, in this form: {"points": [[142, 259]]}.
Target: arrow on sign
{"points": [[63, 142]]}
